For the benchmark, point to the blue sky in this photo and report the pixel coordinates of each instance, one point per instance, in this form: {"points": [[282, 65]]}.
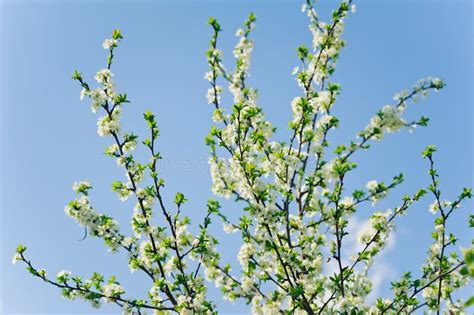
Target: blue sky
{"points": [[49, 137]]}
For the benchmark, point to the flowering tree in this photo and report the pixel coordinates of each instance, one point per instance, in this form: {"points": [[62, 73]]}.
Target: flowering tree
{"points": [[161, 252], [296, 205]]}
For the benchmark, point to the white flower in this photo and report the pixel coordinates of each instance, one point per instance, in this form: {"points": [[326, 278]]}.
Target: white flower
{"points": [[168, 266], [112, 289], [108, 43], [303, 7], [437, 83], [347, 201], [324, 121], [129, 146], [229, 228], [210, 95], [208, 76], [127, 241], [216, 53], [401, 95], [245, 252], [218, 115], [428, 293], [323, 100], [99, 99], [107, 125], [127, 309], [81, 186], [63, 274], [121, 160], [213, 96], [295, 70], [183, 300], [296, 109], [83, 93], [16, 258], [434, 207], [391, 118], [256, 304], [372, 185], [112, 149], [247, 284], [328, 171], [447, 204], [353, 8], [103, 76]]}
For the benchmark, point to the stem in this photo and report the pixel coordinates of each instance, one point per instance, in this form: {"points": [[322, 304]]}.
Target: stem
{"points": [[117, 299]]}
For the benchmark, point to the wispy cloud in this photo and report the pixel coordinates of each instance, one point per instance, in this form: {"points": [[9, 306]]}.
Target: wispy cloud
{"points": [[381, 271]]}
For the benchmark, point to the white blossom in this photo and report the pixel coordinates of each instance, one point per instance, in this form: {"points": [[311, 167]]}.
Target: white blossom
{"points": [[108, 43], [229, 228], [434, 207], [16, 258], [353, 8], [112, 290]]}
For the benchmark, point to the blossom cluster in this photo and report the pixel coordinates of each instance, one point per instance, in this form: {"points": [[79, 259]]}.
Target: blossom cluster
{"points": [[296, 208], [170, 255], [297, 204]]}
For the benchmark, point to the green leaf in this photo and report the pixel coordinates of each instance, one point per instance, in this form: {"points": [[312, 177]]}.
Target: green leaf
{"points": [[179, 199], [469, 302], [215, 25], [302, 52], [20, 249], [429, 150], [121, 98], [117, 34], [77, 76], [295, 292], [469, 256]]}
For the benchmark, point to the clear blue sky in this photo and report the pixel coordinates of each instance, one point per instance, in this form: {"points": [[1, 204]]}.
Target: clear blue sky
{"points": [[49, 137]]}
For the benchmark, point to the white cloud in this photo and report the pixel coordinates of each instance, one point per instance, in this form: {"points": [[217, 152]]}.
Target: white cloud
{"points": [[381, 271]]}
